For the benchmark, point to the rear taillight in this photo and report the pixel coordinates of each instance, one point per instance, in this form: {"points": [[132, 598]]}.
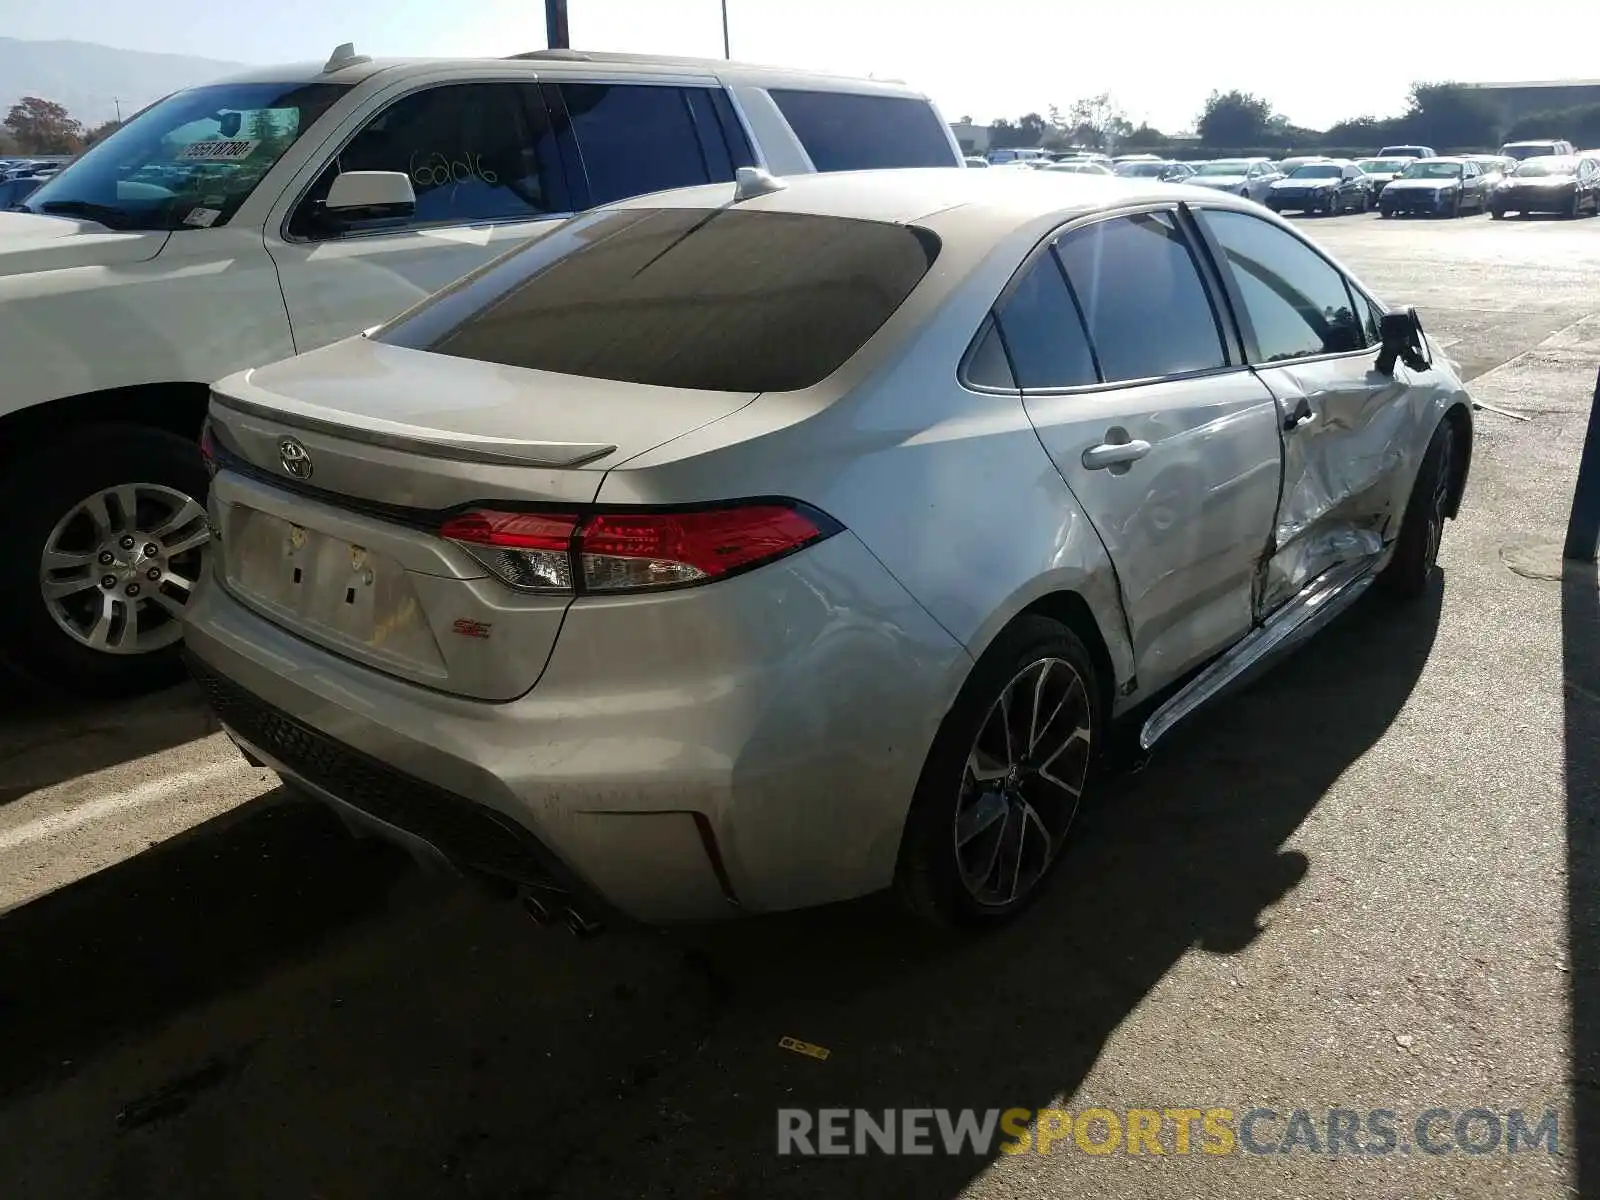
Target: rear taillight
{"points": [[634, 551]]}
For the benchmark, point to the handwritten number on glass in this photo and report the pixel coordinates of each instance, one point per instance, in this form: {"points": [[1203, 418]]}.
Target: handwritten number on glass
{"points": [[436, 170]]}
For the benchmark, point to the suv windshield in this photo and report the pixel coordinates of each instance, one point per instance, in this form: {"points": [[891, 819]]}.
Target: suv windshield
{"points": [[1431, 169], [188, 161], [1317, 171], [1224, 168], [1373, 166], [712, 299], [1548, 166], [1141, 170], [1528, 149]]}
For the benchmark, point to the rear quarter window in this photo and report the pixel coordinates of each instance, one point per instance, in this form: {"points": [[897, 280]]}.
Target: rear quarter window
{"points": [[710, 299], [844, 131]]}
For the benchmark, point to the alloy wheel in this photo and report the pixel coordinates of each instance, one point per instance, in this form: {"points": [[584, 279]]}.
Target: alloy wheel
{"points": [[119, 568], [1022, 782]]}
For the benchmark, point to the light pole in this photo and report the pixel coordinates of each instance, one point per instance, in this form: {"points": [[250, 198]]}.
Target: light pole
{"points": [[557, 35], [725, 51]]}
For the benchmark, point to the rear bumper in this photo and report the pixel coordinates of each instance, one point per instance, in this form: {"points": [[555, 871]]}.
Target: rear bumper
{"points": [[750, 746]]}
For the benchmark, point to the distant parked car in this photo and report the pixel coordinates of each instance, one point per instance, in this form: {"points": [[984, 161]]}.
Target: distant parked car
{"points": [[1436, 187], [1380, 172], [1079, 166], [1537, 149], [974, 160], [1495, 167], [1332, 186], [1563, 184], [1408, 152], [1247, 177], [15, 191], [1011, 154], [1153, 168], [1288, 165]]}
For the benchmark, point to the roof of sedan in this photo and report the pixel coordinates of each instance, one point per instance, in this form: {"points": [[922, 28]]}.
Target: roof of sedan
{"points": [[997, 199]]}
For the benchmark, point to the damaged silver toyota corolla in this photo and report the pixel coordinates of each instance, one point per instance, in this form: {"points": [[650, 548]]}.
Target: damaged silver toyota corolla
{"points": [[756, 546]]}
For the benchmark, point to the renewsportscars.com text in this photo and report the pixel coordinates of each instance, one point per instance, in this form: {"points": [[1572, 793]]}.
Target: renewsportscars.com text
{"points": [[1373, 1132]]}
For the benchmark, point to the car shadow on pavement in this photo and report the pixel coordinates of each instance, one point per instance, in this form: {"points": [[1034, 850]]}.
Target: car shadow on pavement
{"points": [[210, 910], [246, 1005], [1580, 657], [47, 738]]}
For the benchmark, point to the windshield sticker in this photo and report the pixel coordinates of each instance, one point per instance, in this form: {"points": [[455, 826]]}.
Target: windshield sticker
{"points": [[202, 217], [218, 151]]}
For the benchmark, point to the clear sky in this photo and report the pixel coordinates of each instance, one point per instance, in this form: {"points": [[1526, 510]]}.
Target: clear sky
{"points": [[1316, 62]]}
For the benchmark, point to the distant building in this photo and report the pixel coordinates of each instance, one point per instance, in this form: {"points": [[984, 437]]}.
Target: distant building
{"points": [[1512, 101], [973, 139]]}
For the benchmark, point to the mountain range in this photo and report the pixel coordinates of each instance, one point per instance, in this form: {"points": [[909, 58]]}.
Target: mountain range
{"points": [[92, 80]]}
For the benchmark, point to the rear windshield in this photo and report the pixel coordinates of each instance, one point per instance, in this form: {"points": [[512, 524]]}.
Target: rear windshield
{"points": [[719, 299]]}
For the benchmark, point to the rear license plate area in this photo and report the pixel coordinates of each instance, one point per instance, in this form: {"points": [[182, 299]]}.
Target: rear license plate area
{"points": [[307, 578]]}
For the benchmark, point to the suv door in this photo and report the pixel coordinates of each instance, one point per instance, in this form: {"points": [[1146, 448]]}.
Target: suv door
{"points": [[1144, 405], [484, 161], [1310, 337]]}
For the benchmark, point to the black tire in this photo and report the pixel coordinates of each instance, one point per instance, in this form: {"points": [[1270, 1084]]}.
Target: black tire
{"points": [[1455, 208], [1416, 553], [1497, 214], [1576, 210], [40, 488], [929, 879]]}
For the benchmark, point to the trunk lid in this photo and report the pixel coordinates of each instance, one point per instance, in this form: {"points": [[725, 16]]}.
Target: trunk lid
{"points": [[334, 537]]}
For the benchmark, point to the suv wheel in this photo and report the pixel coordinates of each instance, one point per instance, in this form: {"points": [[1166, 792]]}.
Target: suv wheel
{"points": [[1003, 779], [111, 539]]}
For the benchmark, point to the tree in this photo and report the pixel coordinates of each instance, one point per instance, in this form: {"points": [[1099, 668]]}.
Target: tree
{"points": [[265, 130], [1025, 131], [43, 127], [1580, 124], [1096, 122], [100, 133], [1449, 116], [1233, 119]]}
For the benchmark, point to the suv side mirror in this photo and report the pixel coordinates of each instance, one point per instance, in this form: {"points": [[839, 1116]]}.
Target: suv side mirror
{"points": [[371, 190], [367, 198], [1400, 337]]}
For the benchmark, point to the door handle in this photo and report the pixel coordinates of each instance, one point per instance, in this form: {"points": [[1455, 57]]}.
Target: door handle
{"points": [[1302, 415], [1114, 454]]}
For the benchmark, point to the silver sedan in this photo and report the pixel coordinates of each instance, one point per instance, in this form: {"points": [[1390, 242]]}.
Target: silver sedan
{"points": [[751, 547]]}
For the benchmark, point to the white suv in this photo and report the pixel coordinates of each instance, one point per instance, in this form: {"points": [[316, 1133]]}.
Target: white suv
{"points": [[234, 224]]}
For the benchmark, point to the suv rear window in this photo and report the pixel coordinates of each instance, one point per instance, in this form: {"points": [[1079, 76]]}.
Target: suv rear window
{"points": [[846, 131], [712, 299]]}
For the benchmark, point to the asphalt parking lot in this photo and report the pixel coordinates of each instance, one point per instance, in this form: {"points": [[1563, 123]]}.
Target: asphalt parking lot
{"points": [[1370, 881]]}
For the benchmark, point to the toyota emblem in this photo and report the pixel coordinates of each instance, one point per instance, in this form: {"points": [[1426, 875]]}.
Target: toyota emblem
{"points": [[296, 459]]}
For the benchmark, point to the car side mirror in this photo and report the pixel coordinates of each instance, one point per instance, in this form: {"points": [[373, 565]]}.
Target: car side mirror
{"points": [[1400, 338], [368, 197]]}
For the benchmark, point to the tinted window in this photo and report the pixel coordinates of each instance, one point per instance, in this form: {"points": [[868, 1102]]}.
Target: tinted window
{"points": [[720, 299], [1295, 301], [1044, 332], [842, 131], [474, 152], [987, 366], [637, 138], [1147, 311]]}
